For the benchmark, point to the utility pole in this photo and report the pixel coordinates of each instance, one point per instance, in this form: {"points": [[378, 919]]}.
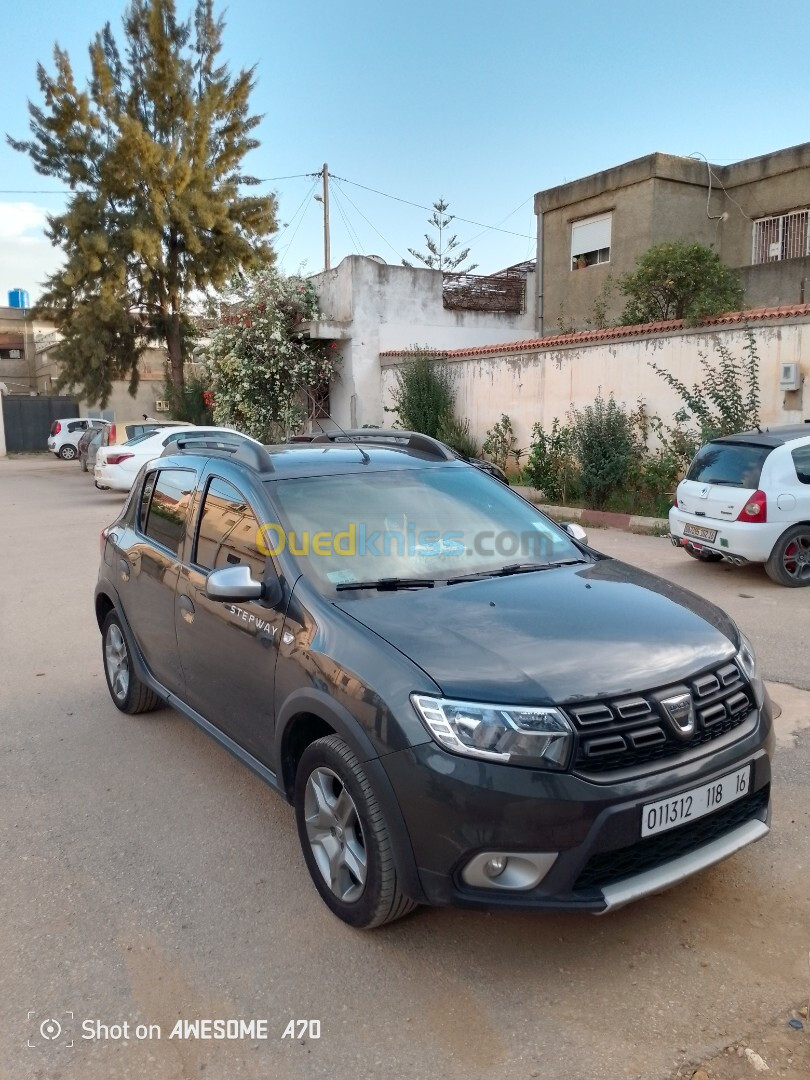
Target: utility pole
{"points": [[326, 252]]}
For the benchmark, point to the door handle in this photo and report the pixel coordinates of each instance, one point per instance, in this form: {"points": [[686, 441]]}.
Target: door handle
{"points": [[187, 610]]}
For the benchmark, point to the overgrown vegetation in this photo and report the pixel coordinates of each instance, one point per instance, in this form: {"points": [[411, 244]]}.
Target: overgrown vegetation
{"points": [[602, 457], [265, 376], [424, 400], [499, 444], [679, 280]]}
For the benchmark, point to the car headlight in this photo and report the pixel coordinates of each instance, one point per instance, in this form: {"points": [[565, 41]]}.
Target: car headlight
{"points": [[747, 659], [747, 663], [515, 735]]}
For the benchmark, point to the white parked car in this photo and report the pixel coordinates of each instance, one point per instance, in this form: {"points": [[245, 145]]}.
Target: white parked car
{"points": [[746, 498], [118, 465], [65, 433]]}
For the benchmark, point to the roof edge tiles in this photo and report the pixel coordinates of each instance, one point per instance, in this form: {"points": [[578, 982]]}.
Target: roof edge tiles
{"points": [[612, 333]]}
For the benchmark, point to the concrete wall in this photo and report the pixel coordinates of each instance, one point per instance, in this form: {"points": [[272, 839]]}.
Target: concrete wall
{"points": [[777, 283], [661, 198], [540, 385], [370, 307]]}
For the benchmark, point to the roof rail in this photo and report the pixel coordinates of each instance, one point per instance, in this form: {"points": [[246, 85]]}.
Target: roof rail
{"points": [[232, 444], [414, 440]]}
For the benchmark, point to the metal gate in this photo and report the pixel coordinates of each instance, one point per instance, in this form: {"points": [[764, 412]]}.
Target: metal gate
{"points": [[28, 420]]}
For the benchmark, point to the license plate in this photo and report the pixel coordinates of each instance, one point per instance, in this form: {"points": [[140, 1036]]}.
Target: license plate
{"points": [[697, 803], [697, 532]]}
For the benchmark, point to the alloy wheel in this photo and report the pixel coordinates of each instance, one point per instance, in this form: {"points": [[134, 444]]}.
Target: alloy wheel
{"points": [[117, 661], [796, 559], [335, 834]]}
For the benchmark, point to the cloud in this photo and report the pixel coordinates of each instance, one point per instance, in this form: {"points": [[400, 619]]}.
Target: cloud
{"points": [[19, 219], [26, 256]]}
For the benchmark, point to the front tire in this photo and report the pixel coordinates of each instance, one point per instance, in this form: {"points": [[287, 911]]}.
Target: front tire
{"points": [[789, 562], [129, 694], [344, 837], [67, 452]]}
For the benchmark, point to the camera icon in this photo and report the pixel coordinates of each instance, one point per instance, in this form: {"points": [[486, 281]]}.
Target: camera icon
{"points": [[52, 1029]]}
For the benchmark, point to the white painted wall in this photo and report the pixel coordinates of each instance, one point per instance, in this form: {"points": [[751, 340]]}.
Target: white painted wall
{"points": [[536, 386], [370, 307]]}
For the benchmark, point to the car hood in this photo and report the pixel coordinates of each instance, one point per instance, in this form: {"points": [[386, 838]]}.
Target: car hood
{"points": [[555, 636]]}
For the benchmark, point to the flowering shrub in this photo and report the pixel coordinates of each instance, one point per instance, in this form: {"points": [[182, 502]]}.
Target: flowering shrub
{"points": [[263, 373]]}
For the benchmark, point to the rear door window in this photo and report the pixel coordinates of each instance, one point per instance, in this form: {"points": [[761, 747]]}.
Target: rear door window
{"points": [[801, 462], [164, 520], [729, 464]]}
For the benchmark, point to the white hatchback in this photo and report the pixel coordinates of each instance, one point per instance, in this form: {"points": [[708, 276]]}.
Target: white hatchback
{"points": [[118, 465], [63, 439], [746, 498]]}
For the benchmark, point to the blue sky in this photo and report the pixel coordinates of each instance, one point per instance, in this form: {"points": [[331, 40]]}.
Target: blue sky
{"points": [[480, 103]]}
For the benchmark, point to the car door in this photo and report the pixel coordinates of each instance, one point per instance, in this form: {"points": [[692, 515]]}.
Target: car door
{"points": [[228, 651], [149, 559]]}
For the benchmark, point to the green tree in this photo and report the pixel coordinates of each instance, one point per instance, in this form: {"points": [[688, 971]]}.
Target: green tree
{"points": [[265, 376], [442, 253], [679, 280], [152, 152]]}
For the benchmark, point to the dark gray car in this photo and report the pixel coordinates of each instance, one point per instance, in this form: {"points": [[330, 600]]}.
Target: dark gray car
{"points": [[464, 703]]}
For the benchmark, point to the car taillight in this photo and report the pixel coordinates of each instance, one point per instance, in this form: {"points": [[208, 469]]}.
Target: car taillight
{"points": [[111, 435], [57, 427], [756, 509], [116, 459]]}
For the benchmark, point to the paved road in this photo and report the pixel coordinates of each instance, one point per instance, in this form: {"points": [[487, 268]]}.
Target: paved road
{"points": [[148, 877]]}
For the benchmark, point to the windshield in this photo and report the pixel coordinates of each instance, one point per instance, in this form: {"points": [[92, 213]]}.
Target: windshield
{"points": [[140, 437], [729, 464], [426, 524]]}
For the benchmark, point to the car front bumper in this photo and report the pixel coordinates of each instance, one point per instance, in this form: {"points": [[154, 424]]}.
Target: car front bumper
{"points": [[456, 808], [748, 541]]}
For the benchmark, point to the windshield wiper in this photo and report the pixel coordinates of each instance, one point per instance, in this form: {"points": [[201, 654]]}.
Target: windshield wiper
{"points": [[387, 584], [514, 568]]}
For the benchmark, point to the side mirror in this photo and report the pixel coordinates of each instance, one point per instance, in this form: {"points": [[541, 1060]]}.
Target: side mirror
{"points": [[233, 583], [576, 532]]}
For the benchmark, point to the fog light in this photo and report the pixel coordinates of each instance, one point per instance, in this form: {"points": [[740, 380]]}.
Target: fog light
{"points": [[494, 867]]}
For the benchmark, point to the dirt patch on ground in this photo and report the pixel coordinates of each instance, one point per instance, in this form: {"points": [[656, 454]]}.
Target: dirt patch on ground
{"points": [[778, 1049]]}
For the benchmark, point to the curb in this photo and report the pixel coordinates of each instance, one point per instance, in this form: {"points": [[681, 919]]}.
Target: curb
{"points": [[599, 518]]}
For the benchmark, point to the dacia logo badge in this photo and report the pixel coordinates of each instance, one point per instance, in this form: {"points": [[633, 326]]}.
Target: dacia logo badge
{"points": [[680, 711]]}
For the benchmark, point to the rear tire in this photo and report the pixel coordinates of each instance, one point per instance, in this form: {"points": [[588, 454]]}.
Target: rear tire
{"points": [[344, 837], [67, 452], [789, 562], [129, 694]]}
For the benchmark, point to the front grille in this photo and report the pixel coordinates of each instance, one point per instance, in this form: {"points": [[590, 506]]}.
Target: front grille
{"points": [[611, 866], [627, 732]]}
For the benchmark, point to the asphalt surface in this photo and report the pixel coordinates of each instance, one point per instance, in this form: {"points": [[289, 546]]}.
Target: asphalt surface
{"points": [[148, 877]]}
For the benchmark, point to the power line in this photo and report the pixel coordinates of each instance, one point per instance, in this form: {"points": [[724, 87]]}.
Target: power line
{"points": [[352, 234], [455, 217], [376, 230]]}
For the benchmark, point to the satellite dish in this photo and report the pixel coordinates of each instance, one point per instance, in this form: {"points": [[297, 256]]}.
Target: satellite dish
{"points": [[377, 259]]}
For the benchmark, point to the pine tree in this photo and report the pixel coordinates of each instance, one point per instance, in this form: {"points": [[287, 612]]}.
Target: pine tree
{"points": [[441, 252], [152, 152]]}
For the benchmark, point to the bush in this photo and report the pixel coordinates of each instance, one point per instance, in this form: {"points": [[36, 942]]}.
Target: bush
{"points": [[726, 401], [424, 394], [607, 449], [499, 444], [552, 467], [456, 433]]}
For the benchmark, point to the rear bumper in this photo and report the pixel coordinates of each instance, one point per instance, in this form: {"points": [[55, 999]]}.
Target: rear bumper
{"points": [[749, 542]]}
